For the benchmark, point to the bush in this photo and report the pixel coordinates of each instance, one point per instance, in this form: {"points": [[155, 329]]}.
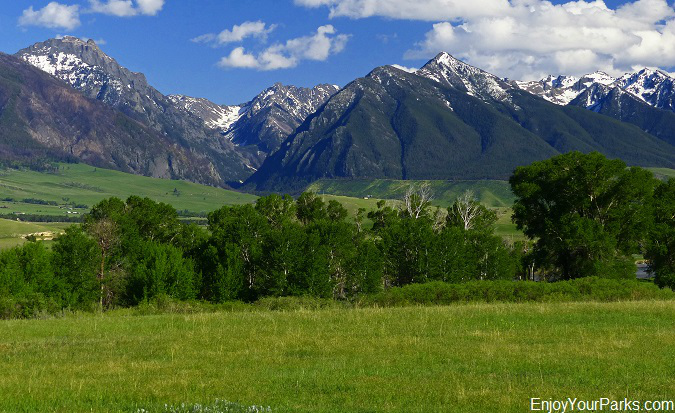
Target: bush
{"points": [[34, 305], [297, 303], [582, 289], [165, 304]]}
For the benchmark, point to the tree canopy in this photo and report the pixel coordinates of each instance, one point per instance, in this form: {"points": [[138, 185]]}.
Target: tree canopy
{"points": [[587, 213]]}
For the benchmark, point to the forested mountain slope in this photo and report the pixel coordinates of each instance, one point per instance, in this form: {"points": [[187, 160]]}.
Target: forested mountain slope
{"points": [[448, 120]]}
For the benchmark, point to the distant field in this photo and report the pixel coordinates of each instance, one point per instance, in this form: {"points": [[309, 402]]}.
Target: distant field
{"points": [[87, 185], [463, 358], [505, 228], [663, 173], [78, 184], [12, 233], [353, 204], [489, 193]]}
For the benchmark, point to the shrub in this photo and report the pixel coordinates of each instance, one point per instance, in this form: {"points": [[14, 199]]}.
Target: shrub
{"points": [[582, 289], [297, 303]]}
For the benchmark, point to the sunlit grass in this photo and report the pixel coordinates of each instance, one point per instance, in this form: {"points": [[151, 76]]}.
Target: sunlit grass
{"points": [[87, 185], [465, 358]]}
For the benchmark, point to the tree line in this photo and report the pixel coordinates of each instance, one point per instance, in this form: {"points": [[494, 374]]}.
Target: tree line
{"points": [[585, 215]]}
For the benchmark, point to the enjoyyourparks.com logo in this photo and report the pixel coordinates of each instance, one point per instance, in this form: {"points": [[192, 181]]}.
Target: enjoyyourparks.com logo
{"points": [[602, 404]]}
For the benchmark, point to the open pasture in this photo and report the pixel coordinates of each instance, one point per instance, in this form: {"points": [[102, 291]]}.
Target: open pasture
{"points": [[461, 358]]}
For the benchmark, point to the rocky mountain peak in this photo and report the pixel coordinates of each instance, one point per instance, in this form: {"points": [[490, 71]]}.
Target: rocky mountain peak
{"points": [[653, 86], [87, 68], [448, 70]]}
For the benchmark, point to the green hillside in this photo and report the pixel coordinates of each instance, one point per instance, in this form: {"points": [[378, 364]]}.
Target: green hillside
{"points": [[74, 186], [663, 173], [489, 192]]}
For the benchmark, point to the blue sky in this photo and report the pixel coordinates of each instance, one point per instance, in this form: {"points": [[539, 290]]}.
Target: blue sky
{"points": [[306, 42]]}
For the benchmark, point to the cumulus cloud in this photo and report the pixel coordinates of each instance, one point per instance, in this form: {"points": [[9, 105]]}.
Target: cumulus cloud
{"points": [[150, 7], [528, 39], [53, 16], [126, 8], [239, 32], [431, 10], [319, 46]]}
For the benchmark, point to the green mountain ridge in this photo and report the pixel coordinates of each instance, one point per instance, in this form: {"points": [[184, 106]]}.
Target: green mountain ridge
{"points": [[397, 125]]}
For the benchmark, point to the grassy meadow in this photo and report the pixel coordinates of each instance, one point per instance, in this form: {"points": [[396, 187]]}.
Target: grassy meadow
{"points": [[462, 358], [13, 233], [663, 173], [489, 192], [86, 185]]}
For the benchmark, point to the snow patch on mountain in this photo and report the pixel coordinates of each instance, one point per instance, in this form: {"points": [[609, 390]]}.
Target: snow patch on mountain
{"points": [[652, 86], [214, 116], [448, 70]]}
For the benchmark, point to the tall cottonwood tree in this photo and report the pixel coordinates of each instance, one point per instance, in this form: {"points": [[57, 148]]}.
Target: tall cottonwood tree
{"points": [[587, 213], [661, 246]]}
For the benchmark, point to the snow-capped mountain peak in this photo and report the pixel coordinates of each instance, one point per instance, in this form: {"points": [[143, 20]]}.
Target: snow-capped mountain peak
{"points": [[214, 116], [446, 69], [87, 68], [599, 77], [264, 121], [652, 86]]}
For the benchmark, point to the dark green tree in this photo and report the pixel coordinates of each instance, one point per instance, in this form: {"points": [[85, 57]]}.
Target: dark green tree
{"points": [[75, 261], [661, 245], [241, 230], [279, 210], [160, 270], [587, 213], [310, 207]]}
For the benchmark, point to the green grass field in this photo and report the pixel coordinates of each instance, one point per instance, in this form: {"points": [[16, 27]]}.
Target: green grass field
{"points": [[464, 358], [489, 193], [505, 228], [663, 173], [87, 185], [12, 233]]}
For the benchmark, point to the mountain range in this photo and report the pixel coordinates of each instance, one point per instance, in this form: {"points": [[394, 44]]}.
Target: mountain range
{"points": [[235, 138], [447, 120], [43, 118]]}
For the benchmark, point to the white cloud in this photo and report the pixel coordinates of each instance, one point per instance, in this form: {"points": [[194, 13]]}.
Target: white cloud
{"points": [[319, 46], [53, 16], [119, 8], [150, 7], [536, 38], [529, 38], [239, 32], [126, 8], [240, 59], [431, 10]]}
